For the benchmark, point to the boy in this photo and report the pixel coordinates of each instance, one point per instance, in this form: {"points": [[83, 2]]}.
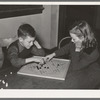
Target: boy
{"points": [[21, 51]]}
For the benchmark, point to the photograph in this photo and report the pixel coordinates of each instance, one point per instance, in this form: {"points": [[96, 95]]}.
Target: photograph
{"points": [[49, 46]]}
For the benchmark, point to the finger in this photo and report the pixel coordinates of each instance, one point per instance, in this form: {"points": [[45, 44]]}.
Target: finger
{"points": [[44, 59], [47, 59]]}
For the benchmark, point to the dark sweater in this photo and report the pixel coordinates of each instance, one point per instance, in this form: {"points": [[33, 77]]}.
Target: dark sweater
{"points": [[79, 60], [17, 53]]}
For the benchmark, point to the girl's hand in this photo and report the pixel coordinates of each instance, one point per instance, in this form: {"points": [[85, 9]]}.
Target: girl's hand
{"points": [[78, 46], [49, 57]]}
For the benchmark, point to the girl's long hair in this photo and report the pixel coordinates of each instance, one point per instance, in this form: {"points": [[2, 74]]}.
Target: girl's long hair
{"points": [[82, 28]]}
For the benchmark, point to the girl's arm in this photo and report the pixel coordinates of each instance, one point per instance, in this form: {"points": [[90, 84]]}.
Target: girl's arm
{"points": [[62, 51], [79, 61]]}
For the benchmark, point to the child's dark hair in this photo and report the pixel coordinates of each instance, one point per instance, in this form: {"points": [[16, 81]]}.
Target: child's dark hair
{"points": [[26, 30]]}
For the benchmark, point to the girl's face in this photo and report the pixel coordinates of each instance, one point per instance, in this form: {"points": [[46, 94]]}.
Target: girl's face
{"points": [[76, 39]]}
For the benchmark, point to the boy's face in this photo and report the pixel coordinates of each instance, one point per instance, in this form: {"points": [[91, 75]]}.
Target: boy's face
{"points": [[27, 42]]}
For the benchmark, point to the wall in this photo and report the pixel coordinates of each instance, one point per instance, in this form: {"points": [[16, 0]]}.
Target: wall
{"points": [[50, 25], [45, 24]]}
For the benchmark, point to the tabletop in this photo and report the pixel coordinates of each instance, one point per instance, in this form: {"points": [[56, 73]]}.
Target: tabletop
{"points": [[16, 81], [9, 79]]}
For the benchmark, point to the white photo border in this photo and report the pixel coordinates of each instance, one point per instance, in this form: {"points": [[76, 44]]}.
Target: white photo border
{"points": [[52, 93]]}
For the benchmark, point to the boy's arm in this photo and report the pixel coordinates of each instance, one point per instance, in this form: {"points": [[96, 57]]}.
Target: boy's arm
{"points": [[34, 59], [13, 57], [18, 62], [37, 50]]}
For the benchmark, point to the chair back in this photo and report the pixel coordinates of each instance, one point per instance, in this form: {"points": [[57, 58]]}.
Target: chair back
{"points": [[64, 41], [5, 42]]}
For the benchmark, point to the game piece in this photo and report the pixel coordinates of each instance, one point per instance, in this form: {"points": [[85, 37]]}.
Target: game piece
{"points": [[6, 84], [54, 69], [10, 72], [3, 81], [5, 75], [37, 67]]}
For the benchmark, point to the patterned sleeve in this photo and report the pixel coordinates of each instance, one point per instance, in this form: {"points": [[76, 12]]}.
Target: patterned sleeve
{"points": [[13, 57], [80, 61], [38, 52]]}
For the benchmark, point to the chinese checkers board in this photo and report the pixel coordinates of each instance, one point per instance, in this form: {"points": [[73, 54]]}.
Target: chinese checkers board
{"points": [[54, 69]]}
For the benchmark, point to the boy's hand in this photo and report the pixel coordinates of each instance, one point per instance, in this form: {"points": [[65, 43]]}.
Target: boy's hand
{"points": [[49, 57], [41, 61], [37, 44], [35, 59]]}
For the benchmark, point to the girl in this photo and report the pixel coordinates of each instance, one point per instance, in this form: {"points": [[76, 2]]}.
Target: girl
{"points": [[84, 54]]}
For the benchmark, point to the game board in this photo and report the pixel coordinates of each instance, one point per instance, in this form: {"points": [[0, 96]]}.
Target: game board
{"points": [[54, 69]]}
